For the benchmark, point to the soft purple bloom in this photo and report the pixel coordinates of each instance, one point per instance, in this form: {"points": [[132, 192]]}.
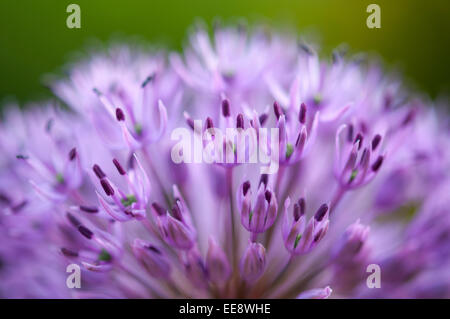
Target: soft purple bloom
{"points": [[300, 235], [96, 186], [219, 268], [253, 262], [258, 216]]}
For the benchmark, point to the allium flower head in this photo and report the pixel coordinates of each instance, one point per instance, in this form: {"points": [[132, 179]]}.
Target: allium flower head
{"points": [[363, 177]]}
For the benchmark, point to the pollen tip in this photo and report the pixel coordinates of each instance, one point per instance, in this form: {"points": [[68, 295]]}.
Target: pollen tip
{"points": [[109, 191], [73, 220], [268, 195], [376, 141], [22, 157], [72, 154], [69, 253], [263, 118], [277, 109], [240, 121], [264, 179], [120, 116], [209, 123], [98, 171], [86, 232], [158, 209], [89, 209], [226, 108], [302, 114], [245, 187], [377, 164], [119, 167], [323, 209], [147, 80]]}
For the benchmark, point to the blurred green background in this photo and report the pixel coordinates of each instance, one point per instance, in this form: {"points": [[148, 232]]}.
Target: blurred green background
{"points": [[34, 39]]}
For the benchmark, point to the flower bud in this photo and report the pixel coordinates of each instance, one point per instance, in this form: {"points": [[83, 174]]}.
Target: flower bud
{"points": [[195, 269], [217, 263], [253, 262], [154, 261]]}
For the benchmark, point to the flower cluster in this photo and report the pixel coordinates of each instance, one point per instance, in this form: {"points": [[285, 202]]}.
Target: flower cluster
{"points": [[363, 178]]}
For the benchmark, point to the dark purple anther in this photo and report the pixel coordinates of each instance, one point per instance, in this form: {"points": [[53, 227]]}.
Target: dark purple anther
{"points": [[305, 48], [409, 117], [107, 187], [86, 232], [72, 154], [120, 116], [376, 141], [297, 214], [263, 118], [240, 121], [154, 249], [158, 209], [20, 206], [209, 123], [190, 122], [321, 212], [176, 212], [68, 253], [226, 108], [5, 199], [268, 196], [89, 209], [245, 187], [376, 166], [119, 167], [359, 139], [301, 139], [319, 233], [264, 179], [73, 220], [98, 171], [302, 114], [277, 110], [302, 205], [147, 80]]}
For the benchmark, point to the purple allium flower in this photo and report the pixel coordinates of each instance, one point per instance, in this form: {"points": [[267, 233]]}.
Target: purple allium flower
{"points": [[97, 186]]}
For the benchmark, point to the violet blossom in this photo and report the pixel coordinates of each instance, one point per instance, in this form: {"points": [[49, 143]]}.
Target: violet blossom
{"points": [[95, 185]]}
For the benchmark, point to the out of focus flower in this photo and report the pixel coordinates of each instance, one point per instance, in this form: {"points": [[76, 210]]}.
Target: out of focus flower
{"points": [[95, 186]]}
